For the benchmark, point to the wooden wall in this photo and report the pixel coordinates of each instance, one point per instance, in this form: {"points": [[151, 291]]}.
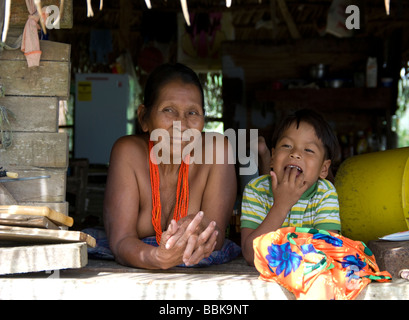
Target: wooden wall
{"points": [[33, 95]]}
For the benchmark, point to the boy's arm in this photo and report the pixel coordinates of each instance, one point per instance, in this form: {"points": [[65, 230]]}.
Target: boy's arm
{"points": [[286, 194], [272, 222]]}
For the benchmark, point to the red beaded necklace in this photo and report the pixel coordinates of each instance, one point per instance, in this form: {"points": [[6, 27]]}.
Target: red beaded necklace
{"points": [[182, 193]]}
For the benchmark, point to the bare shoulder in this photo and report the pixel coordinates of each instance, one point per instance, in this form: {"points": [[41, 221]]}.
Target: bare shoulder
{"points": [[130, 147], [128, 166], [133, 141]]}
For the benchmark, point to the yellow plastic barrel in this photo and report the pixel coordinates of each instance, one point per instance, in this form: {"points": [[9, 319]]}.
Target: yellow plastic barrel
{"points": [[373, 192]]}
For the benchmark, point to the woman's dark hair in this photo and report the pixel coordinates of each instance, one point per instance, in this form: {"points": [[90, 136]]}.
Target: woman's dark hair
{"points": [[322, 130], [164, 74]]}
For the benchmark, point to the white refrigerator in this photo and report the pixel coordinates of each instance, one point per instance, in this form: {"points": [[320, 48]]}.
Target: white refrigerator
{"points": [[104, 111]]}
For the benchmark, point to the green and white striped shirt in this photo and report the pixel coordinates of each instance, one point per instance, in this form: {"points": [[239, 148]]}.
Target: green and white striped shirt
{"points": [[317, 208]]}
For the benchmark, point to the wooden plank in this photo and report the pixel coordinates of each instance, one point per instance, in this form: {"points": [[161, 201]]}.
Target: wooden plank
{"points": [[55, 51], [51, 189], [22, 220], [43, 258], [50, 78], [37, 235], [62, 207], [49, 150], [32, 114], [55, 216], [19, 12], [50, 51]]}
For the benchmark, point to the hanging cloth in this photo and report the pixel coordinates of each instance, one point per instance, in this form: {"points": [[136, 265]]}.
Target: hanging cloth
{"points": [[182, 192], [316, 264], [30, 43]]}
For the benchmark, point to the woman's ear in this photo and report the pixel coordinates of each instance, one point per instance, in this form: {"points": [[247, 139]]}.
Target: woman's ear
{"points": [[325, 168], [141, 117]]}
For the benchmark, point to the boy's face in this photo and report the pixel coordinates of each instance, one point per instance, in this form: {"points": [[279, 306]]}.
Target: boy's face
{"points": [[301, 150]]}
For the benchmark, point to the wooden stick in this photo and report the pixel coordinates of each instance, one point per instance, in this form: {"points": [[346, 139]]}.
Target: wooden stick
{"points": [[387, 4], [40, 13], [61, 10], [6, 20], [53, 215], [185, 10], [90, 13], [148, 4], [295, 34]]}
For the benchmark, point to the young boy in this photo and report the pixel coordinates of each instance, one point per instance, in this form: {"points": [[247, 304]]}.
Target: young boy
{"points": [[295, 193]]}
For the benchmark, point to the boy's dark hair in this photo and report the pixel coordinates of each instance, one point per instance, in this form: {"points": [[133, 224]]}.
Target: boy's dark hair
{"points": [[322, 130]]}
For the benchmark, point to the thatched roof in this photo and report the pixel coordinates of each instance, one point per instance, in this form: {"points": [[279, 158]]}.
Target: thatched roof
{"points": [[252, 19], [131, 23]]}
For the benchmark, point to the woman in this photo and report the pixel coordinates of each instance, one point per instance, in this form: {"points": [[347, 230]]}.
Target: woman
{"points": [[144, 196]]}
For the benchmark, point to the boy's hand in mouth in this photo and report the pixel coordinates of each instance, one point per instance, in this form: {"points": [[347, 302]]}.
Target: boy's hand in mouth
{"points": [[291, 166], [289, 190]]}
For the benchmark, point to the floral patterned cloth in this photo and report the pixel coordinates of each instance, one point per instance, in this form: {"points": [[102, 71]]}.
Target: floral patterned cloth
{"points": [[316, 264]]}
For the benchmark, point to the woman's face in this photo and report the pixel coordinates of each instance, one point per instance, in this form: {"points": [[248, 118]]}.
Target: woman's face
{"points": [[178, 108]]}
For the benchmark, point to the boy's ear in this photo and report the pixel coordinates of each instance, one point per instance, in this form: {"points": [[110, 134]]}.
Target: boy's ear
{"points": [[141, 117], [325, 169]]}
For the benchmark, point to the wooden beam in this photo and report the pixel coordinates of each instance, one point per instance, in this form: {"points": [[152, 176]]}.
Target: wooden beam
{"points": [[36, 211], [37, 235], [295, 34], [48, 150], [43, 257], [49, 79], [22, 220], [51, 51], [43, 113]]}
